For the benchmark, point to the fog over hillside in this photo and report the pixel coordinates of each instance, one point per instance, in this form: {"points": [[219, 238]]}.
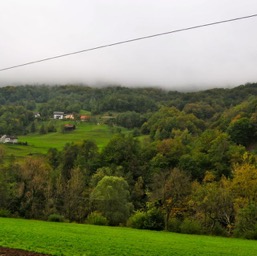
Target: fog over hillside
{"points": [[223, 55]]}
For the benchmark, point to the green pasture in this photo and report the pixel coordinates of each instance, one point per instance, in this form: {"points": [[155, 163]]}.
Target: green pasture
{"points": [[88, 240], [39, 144]]}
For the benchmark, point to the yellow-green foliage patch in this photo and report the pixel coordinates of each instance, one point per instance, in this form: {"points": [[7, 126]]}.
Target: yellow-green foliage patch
{"points": [[79, 239]]}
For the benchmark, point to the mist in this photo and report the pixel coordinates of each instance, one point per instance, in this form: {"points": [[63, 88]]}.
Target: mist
{"points": [[219, 56]]}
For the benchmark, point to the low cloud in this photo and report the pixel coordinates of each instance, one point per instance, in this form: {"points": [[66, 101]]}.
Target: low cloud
{"points": [[219, 56]]}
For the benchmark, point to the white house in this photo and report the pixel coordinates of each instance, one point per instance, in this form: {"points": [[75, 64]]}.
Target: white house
{"points": [[58, 115], [8, 139]]}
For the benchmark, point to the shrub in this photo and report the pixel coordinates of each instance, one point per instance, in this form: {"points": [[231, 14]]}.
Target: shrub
{"points": [[4, 213], [218, 230], [247, 234], [251, 234], [190, 226], [136, 132], [56, 218], [174, 225], [152, 219], [96, 218], [137, 220], [246, 222]]}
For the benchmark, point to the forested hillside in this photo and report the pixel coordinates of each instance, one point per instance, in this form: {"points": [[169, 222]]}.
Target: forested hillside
{"points": [[188, 165]]}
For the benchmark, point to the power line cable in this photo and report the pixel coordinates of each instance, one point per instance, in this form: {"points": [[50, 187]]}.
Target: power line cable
{"points": [[130, 41]]}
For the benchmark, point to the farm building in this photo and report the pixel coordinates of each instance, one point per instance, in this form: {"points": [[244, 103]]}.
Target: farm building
{"points": [[37, 115], [84, 118], [58, 115], [9, 139], [69, 116], [69, 127]]}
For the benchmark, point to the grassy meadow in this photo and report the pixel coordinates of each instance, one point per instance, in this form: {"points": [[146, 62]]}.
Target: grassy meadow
{"points": [[40, 143], [80, 239]]}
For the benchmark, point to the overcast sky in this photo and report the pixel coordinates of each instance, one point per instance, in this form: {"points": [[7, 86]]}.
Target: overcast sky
{"points": [[219, 56]]}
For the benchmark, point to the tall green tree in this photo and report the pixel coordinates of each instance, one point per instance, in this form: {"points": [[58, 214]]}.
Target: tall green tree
{"points": [[123, 151], [88, 157], [111, 197]]}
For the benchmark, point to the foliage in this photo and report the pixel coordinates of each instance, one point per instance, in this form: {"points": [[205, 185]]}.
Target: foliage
{"points": [[4, 213], [123, 151], [111, 197], [200, 110], [193, 170], [15, 120], [130, 120], [191, 226], [163, 122], [56, 218], [96, 218], [152, 219], [170, 190], [242, 131], [246, 223], [214, 203], [33, 187], [137, 220], [244, 184]]}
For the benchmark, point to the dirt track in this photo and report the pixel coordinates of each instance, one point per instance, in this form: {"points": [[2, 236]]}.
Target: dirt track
{"points": [[16, 252]]}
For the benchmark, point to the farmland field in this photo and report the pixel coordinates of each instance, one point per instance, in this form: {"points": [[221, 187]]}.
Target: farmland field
{"points": [[39, 144], [79, 239]]}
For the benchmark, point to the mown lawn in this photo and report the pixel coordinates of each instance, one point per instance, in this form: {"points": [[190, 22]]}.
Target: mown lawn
{"points": [[78, 239], [39, 144]]}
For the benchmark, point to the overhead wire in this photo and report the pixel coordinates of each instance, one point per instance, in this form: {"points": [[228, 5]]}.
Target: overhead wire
{"points": [[130, 41]]}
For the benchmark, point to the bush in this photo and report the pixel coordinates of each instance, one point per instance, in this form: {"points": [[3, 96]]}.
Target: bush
{"points": [[153, 219], [96, 218], [56, 218], [218, 230], [4, 213], [249, 234], [137, 220], [136, 132], [246, 222], [174, 225], [190, 226]]}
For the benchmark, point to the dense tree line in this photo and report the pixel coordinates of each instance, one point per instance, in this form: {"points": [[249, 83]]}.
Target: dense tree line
{"points": [[179, 184], [215, 108], [193, 171]]}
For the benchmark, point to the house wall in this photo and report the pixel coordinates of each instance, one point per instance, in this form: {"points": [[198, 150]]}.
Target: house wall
{"points": [[58, 116]]}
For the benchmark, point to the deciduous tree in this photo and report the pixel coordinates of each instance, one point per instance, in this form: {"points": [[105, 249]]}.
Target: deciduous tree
{"points": [[111, 197], [170, 188]]}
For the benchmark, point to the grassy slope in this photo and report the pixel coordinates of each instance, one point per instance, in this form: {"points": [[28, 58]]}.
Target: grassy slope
{"points": [[75, 239], [39, 144]]}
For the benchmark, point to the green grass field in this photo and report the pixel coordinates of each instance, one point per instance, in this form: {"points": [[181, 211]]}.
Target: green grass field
{"points": [[79, 239], [39, 144]]}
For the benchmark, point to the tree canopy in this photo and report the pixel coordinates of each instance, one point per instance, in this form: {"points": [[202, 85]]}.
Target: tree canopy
{"points": [[183, 162]]}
